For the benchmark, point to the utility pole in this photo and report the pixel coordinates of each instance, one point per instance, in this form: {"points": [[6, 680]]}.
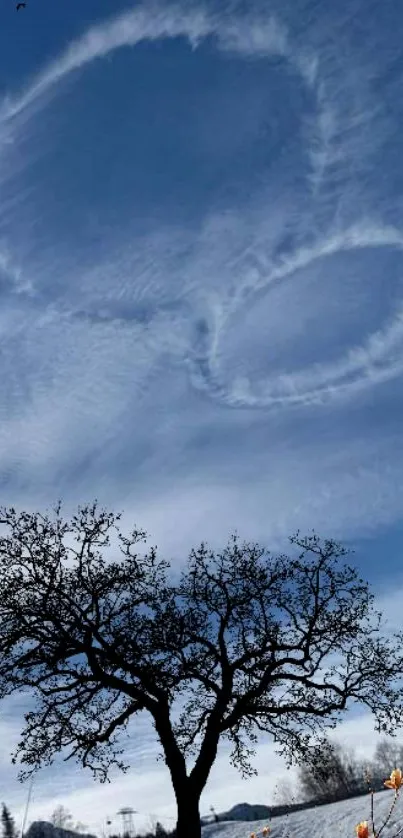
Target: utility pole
{"points": [[27, 806]]}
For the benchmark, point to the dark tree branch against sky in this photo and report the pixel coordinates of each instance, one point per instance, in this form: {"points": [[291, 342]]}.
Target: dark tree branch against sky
{"points": [[251, 641]]}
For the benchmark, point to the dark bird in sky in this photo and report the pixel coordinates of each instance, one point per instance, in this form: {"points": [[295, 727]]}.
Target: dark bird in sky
{"points": [[20, 6]]}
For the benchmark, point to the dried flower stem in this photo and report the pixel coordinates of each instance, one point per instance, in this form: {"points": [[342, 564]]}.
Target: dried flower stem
{"points": [[390, 812]]}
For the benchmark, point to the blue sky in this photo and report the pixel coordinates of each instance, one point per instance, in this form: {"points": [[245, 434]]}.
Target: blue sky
{"points": [[201, 254]]}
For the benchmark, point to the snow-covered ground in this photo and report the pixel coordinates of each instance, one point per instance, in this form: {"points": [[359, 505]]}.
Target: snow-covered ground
{"points": [[337, 820]]}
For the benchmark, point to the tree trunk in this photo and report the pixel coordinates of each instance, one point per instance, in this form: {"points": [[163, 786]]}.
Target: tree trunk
{"points": [[188, 822]]}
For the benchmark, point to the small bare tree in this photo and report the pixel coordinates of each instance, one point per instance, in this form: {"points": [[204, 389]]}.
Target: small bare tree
{"points": [[388, 755], [63, 819], [250, 641], [285, 794], [336, 777]]}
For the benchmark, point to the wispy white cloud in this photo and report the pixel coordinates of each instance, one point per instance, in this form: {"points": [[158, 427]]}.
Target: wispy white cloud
{"points": [[251, 35], [375, 362], [129, 29], [379, 359]]}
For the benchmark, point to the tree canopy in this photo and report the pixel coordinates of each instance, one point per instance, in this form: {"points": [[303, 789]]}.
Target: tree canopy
{"points": [[251, 643], [9, 830]]}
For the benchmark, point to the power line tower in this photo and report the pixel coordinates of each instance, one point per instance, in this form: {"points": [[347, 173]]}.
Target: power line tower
{"points": [[127, 820]]}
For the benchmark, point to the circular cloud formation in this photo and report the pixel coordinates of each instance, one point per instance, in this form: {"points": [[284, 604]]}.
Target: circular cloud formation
{"points": [[254, 36], [379, 355], [378, 358]]}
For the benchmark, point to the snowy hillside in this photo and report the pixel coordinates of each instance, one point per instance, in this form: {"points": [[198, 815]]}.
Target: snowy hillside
{"points": [[337, 820]]}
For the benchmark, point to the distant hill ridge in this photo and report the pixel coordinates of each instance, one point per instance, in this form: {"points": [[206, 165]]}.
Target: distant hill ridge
{"points": [[247, 812], [258, 811], [241, 812]]}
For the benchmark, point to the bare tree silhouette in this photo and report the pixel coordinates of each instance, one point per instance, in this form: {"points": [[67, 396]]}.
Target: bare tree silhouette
{"points": [[250, 641]]}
